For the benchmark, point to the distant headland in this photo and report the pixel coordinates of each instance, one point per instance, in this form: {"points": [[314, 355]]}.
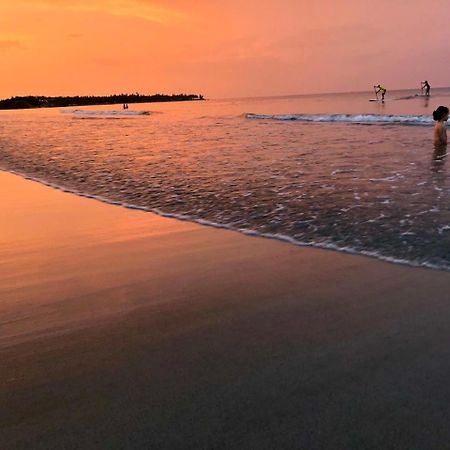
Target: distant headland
{"points": [[60, 102]]}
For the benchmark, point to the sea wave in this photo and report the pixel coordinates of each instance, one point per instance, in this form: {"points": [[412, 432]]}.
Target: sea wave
{"points": [[105, 113], [347, 118], [327, 245], [380, 195]]}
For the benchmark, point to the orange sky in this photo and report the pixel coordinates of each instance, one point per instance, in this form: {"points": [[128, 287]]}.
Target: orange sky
{"points": [[221, 48]]}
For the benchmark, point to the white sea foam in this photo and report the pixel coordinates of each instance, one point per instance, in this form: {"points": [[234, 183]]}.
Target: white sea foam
{"points": [[105, 113], [326, 245], [347, 118]]}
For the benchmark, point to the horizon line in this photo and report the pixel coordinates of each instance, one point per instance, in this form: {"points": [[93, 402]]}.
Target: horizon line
{"points": [[227, 98]]}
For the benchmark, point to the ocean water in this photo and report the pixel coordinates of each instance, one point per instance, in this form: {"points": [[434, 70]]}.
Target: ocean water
{"points": [[333, 171]]}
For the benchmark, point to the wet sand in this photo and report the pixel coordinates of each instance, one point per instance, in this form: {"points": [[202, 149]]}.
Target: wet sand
{"points": [[122, 329]]}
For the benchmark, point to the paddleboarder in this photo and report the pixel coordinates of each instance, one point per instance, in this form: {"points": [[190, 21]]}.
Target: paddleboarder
{"points": [[427, 87], [382, 89]]}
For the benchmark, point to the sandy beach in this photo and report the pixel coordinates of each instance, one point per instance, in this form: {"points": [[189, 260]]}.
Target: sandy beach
{"points": [[123, 329]]}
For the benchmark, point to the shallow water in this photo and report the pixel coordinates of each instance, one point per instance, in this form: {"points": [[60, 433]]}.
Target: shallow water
{"points": [[356, 175]]}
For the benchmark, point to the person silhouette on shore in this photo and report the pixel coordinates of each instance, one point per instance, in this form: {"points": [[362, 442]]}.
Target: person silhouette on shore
{"points": [[382, 89], [427, 87]]}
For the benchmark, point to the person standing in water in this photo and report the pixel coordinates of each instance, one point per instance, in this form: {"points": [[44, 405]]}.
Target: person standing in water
{"points": [[382, 89], [440, 133], [427, 87]]}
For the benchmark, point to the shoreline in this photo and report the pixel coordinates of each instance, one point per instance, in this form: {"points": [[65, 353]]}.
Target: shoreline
{"points": [[244, 231], [124, 329]]}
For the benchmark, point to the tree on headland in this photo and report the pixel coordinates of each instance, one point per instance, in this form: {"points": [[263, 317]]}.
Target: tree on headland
{"points": [[61, 102]]}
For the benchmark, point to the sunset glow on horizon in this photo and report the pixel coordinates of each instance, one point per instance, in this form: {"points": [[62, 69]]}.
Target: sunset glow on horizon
{"points": [[266, 47]]}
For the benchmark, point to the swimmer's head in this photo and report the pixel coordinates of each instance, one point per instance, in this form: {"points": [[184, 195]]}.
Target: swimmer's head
{"points": [[441, 113]]}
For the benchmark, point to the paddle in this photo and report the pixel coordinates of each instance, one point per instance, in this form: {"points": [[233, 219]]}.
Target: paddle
{"points": [[376, 93]]}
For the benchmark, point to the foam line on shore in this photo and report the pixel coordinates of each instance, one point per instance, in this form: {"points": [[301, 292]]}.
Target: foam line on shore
{"points": [[248, 232]]}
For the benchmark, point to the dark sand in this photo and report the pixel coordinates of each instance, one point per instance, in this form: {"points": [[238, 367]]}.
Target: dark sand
{"points": [[122, 329]]}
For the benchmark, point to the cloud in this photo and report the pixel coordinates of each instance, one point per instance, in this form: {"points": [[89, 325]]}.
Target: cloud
{"points": [[7, 44], [142, 9]]}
